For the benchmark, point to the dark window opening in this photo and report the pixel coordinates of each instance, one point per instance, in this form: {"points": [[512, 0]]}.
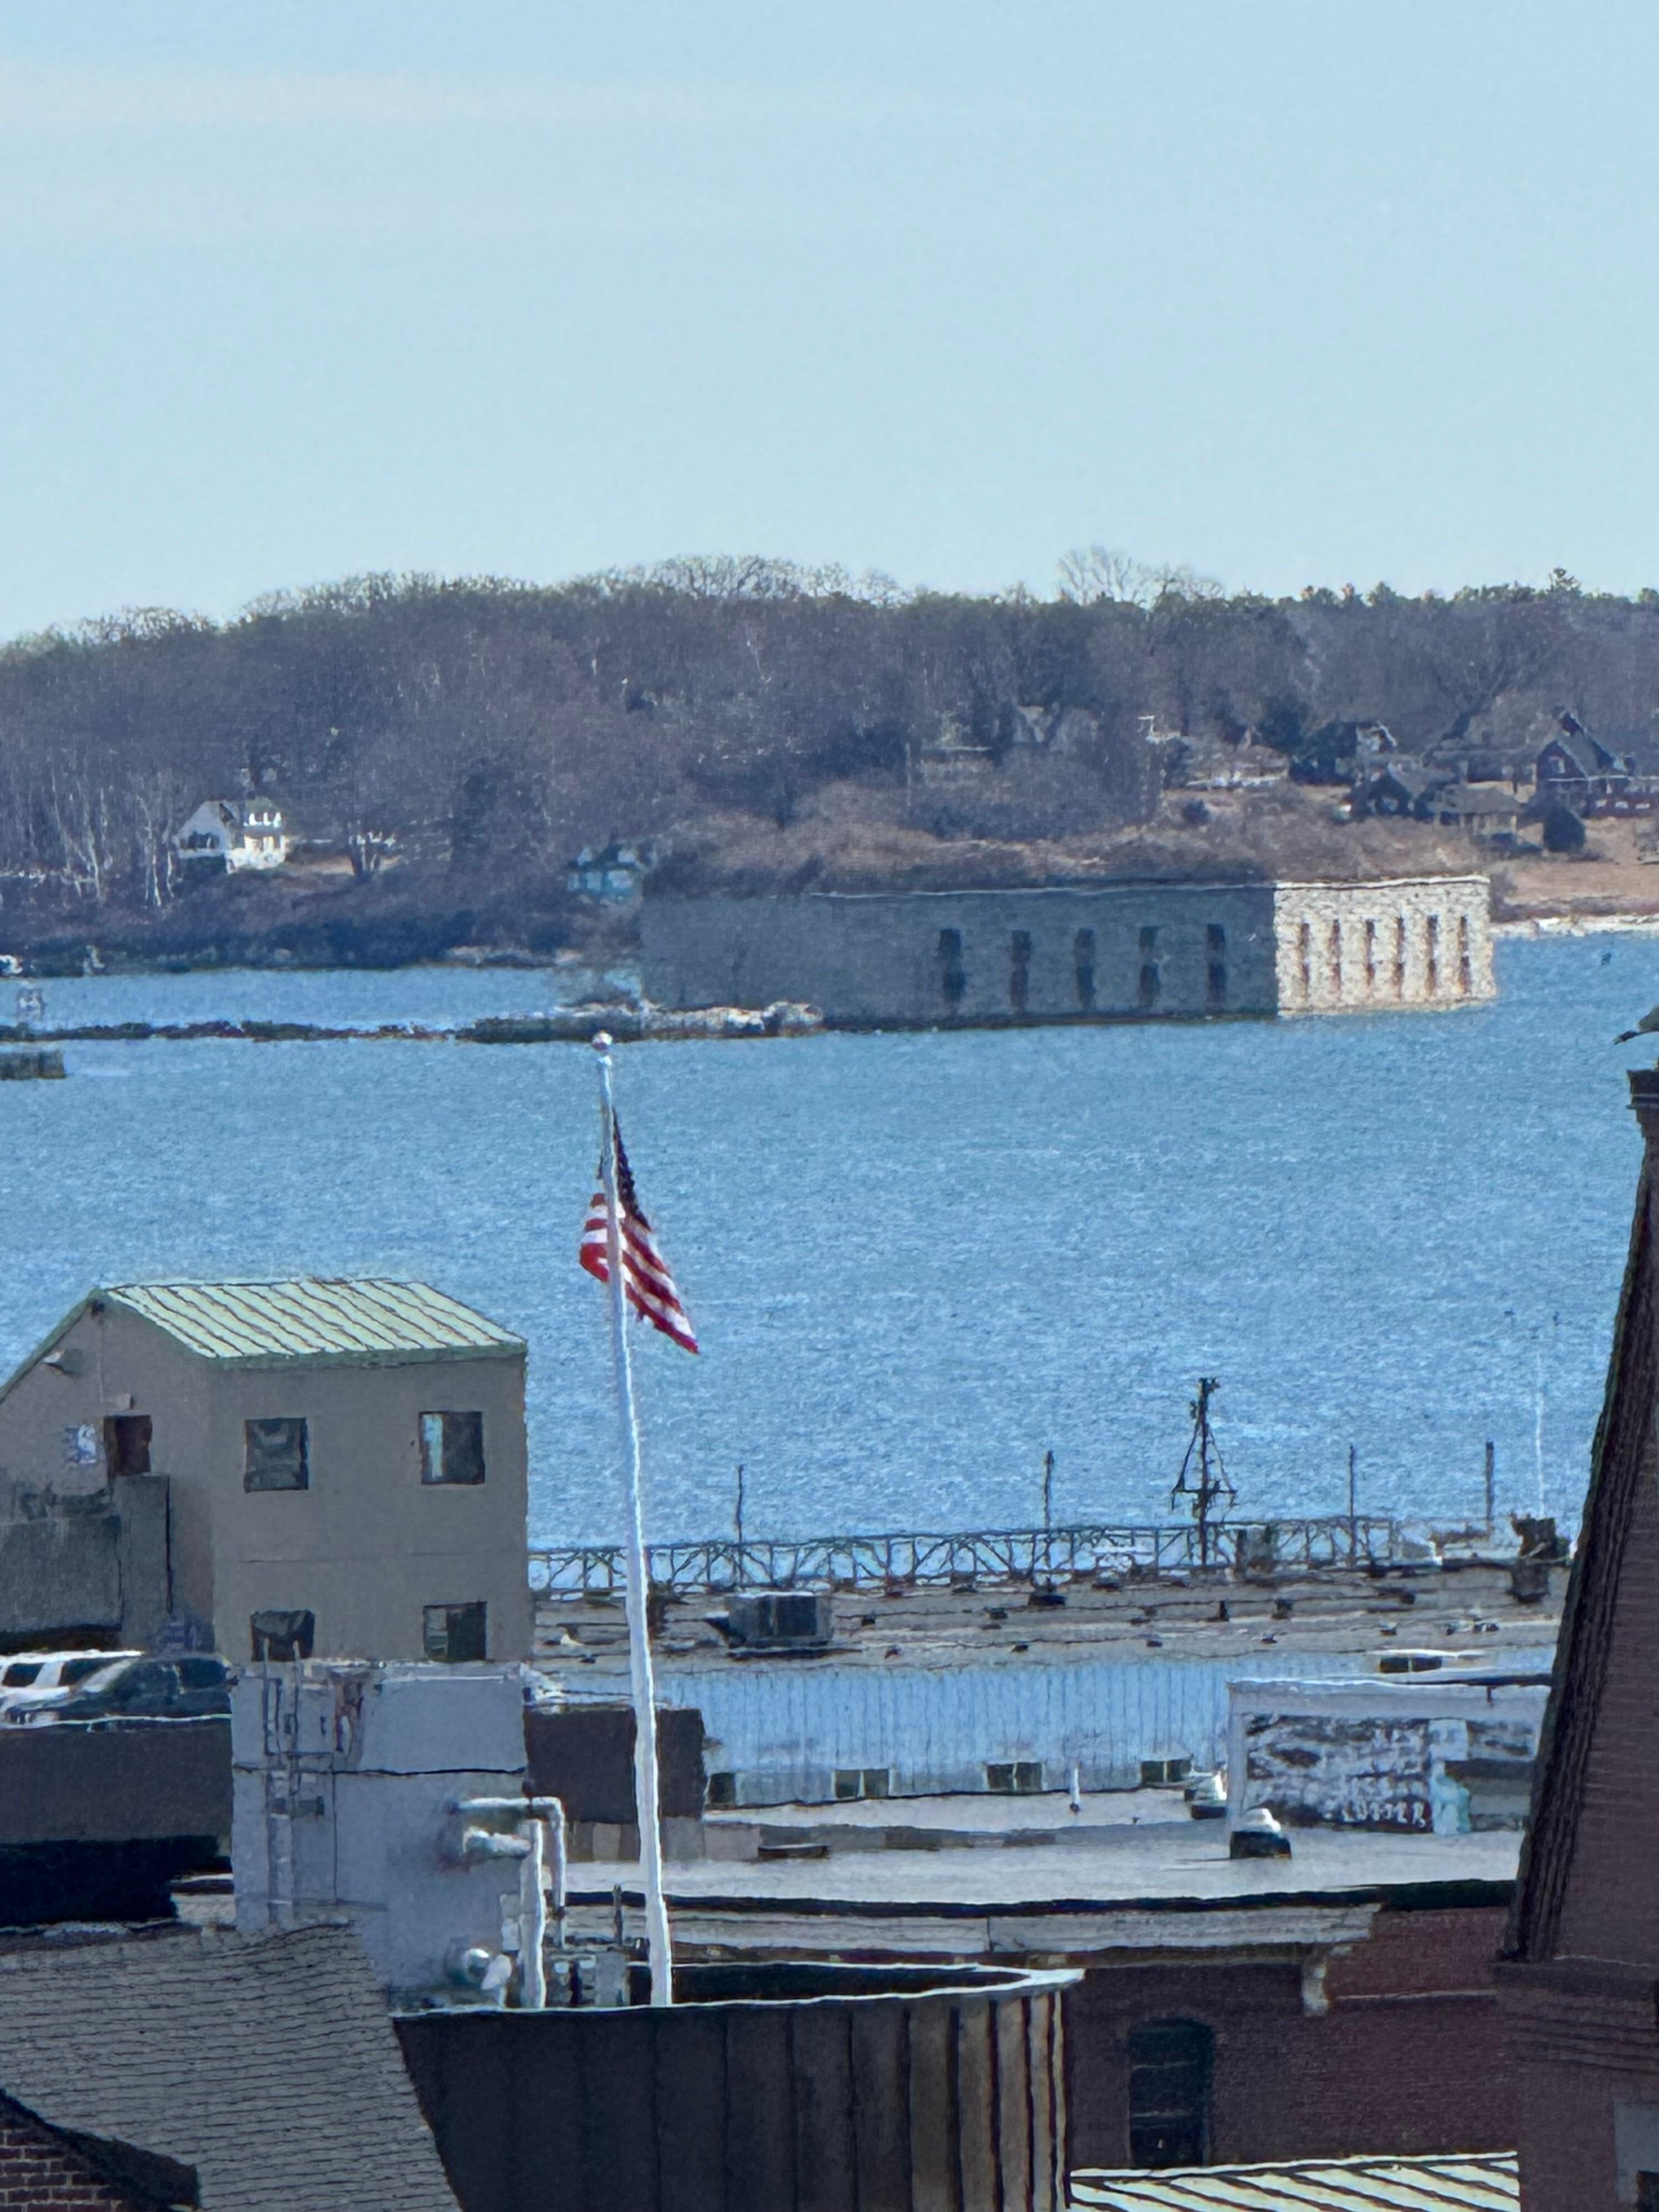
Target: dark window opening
{"points": [[276, 1455], [1465, 966], [126, 1444], [1151, 985], [1371, 954], [1083, 958], [452, 1448], [1336, 958], [454, 1633], [854, 1781], [952, 976], [1019, 971], [1431, 952], [1647, 2192], [1170, 2064], [1400, 957], [1217, 984], [722, 1790], [1305, 956], [1215, 937], [20, 1674], [1015, 1778], [274, 1635]]}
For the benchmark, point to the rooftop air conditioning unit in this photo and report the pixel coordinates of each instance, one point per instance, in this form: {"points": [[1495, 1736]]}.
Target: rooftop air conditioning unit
{"points": [[779, 1620]]}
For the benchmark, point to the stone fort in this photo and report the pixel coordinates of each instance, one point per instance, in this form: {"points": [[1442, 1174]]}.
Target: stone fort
{"points": [[1118, 951]]}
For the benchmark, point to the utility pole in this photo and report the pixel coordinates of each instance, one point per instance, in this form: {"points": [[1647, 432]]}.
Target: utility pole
{"points": [[1491, 1488], [1210, 1485], [1353, 1507], [736, 1519]]}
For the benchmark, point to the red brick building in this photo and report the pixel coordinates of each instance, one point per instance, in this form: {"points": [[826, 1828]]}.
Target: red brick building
{"points": [[47, 2169], [1581, 1978]]}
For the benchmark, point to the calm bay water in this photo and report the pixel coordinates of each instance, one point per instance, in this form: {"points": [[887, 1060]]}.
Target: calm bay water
{"points": [[915, 1262]]}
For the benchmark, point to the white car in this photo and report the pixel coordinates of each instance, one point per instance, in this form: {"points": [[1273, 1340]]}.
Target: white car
{"points": [[33, 1676]]}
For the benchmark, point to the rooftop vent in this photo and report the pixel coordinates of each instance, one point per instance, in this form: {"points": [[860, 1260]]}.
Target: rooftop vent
{"points": [[779, 1620]]}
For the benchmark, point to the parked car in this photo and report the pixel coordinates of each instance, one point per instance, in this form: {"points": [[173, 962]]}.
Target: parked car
{"points": [[134, 1688], [33, 1675]]}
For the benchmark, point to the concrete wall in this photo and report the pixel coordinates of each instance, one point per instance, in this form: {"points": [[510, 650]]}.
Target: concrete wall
{"points": [[1420, 941], [878, 958], [366, 1547]]}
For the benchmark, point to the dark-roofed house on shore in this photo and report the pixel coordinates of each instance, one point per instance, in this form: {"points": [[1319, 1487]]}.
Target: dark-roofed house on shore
{"points": [[344, 1460], [1582, 1961]]}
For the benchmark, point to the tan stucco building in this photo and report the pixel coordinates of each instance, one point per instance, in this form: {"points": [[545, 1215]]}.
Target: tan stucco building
{"points": [[345, 1460]]}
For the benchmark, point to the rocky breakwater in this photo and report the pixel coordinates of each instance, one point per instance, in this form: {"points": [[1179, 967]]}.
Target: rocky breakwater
{"points": [[628, 1024]]}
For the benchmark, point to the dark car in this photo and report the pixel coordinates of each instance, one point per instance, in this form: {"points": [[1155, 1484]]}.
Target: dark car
{"points": [[186, 1688]]}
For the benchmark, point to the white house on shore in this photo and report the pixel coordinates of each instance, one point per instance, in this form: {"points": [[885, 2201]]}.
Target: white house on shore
{"points": [[235, 833]]}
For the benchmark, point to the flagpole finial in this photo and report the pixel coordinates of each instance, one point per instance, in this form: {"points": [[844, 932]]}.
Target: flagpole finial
{"points": [[600, 1042]]}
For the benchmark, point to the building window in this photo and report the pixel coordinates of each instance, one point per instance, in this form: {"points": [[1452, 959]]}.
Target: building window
{"points": [[276, 1455], [1431, 952], [126, 1444], [854, 1782], [281, 1635], [1150, 984], [1217, 985], [454, 1633], [1083, 959], [1215, 939], [1304, 958], [1020, 970], [1647, 2192], [452, 1448], [1170, 2063], [1400, 957], [1370, 953], [952, 976], [1015, 1778], [1465, 963], [1336, 959]]}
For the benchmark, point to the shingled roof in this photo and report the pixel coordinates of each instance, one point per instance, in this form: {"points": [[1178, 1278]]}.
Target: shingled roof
{"points": [[266, 2062]]}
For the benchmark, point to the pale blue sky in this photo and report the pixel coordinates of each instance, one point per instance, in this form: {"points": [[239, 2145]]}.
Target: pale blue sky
{"points": [[1290, 292]]}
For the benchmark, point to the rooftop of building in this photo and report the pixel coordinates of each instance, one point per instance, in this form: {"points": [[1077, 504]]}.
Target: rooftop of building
{"points": [[1462, 1612], [1151, 1858], [1482, 2183], [228, 2054], [311, 1320]]}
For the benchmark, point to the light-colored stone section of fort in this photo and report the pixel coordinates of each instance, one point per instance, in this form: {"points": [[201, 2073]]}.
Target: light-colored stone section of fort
{"points": [[1420, 941], [1116, 951]]}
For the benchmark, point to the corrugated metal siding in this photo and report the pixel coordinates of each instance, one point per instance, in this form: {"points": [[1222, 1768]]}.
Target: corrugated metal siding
{"points": [[1356, 2185], [313, 1318], [789, 1725]]}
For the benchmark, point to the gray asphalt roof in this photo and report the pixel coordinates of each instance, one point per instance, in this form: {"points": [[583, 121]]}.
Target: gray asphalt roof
{"points": [[1168, 1863], [267, 2062]]}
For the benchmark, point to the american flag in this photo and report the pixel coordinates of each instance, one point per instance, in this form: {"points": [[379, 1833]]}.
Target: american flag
{"points": [[646, 1278]]}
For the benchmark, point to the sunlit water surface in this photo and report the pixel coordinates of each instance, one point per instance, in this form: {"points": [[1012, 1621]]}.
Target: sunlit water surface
{"points": [[915, 1262]]}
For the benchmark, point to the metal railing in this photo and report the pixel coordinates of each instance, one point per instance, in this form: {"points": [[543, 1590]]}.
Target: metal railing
{"points": [[993, 1555]]}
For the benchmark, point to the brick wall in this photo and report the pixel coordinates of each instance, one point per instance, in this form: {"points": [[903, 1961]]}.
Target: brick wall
{"points": [[38, 2173], [1407, 2059]]}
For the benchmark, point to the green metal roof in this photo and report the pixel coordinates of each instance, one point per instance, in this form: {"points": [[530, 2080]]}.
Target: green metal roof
{"points": [[362, 1321], [1485, 2184]]}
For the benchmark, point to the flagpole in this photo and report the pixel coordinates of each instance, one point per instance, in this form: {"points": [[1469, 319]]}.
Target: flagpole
{"points": [[647, 1793]]}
